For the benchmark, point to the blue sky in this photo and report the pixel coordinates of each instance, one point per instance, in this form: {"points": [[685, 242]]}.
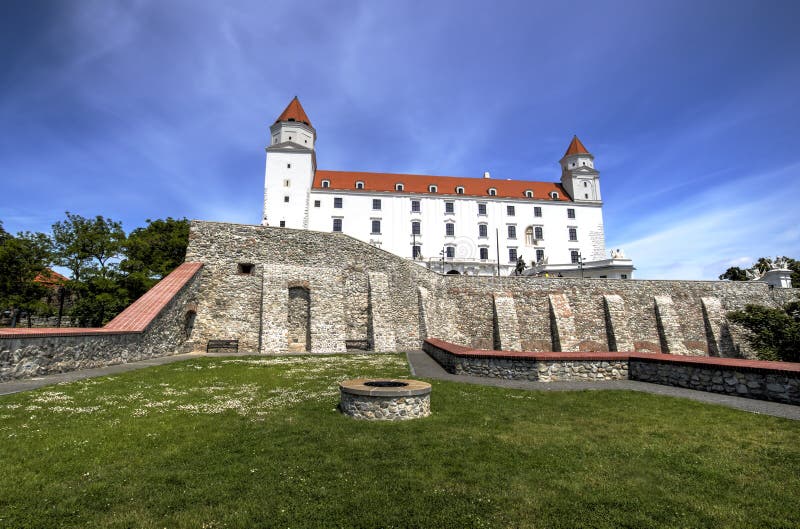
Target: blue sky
{"points": [[137, 110]]}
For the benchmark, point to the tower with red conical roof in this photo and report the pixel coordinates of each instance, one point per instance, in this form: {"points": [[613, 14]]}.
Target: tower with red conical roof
{"points": [[578, 176], [290, 168]]}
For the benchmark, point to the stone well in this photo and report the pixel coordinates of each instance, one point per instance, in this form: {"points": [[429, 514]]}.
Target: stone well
{"points": [[385, 399]]}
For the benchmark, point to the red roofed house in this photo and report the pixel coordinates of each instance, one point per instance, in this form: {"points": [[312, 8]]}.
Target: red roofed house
{"points": [[449, 224]]}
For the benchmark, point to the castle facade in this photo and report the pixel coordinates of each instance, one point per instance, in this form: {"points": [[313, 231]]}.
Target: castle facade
{"points": [[474, 226]]}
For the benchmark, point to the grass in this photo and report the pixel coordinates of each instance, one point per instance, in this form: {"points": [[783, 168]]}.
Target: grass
{"points": [[258, 442]]}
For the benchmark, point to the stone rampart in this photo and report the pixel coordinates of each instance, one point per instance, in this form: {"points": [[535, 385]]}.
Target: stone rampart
{"points": [[157, 324], [359, 294]]}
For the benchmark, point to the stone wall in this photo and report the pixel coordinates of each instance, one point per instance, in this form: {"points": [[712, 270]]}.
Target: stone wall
{"points": [[755, 379], [361, 293], [155, 326]]}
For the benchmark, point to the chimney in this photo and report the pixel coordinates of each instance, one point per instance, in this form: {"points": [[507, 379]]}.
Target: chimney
{"points": [[487, 175]]}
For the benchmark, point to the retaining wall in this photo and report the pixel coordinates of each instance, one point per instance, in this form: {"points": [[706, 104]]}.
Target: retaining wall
{"points": [[775, 381], [154, 325]]}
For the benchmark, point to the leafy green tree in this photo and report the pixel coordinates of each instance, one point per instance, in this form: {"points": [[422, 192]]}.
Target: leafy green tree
{"points": [[153, 252], [734, 273], [22, 259], [773, 333]]}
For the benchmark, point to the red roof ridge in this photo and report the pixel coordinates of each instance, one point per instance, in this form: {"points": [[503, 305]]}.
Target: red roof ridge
{"points": [[575, 147], [294, 112]]}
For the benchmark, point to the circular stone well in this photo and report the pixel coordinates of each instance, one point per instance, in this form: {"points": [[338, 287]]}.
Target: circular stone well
{"points": [[385, 399]]}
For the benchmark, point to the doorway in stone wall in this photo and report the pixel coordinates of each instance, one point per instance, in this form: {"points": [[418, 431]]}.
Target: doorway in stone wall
{"points": [[299, 319]]}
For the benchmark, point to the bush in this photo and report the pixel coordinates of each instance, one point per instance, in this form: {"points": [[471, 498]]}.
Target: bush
{"points": [[773, 333]]}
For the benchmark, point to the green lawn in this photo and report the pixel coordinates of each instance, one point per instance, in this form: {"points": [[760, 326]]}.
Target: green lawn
{"points": [[258, 442]]}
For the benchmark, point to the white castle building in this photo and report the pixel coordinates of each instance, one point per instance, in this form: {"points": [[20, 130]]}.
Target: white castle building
{"points": [[449, 224]]}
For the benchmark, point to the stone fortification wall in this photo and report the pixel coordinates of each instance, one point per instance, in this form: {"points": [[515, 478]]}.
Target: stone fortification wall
{"points": [[359, 293], [155, 325]]}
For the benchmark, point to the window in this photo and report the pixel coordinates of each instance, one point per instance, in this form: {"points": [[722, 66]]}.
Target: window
{"points": [[528, 193], [326, 184], [492, 192], [416, 252], [512, 255], [575, 256], [481, 209], [376, 203], [539, 256], [510, 211], [415, 228], [337, 202], [570, 213], [586, 196], [337, 224], [459, 190], [512, 232], [286, 199], [399, 187], [483, 230], [484, 252], [585, 184], [359, 185], [317, 203], [449, 207], [529, 235], [288, 166], [554, 195], [573, 234], [287, 183], [538, 233], [283, 224], [432, 189], [624, 276], [246, 269], [450, 252], [376, 227], [537, 211], [450, 229], [415, 206]]}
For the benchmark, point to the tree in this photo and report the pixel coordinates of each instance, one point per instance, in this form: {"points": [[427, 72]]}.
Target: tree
{"points": [[773, 333], [734, 273], [22, 259], [153, 252]]}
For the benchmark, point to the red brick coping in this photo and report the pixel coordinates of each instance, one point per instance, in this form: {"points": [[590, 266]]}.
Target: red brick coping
{"points": [[699, 361], [133, 319]]}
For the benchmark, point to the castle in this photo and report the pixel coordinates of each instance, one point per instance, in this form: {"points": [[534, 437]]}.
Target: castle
{"points": [[474, 226]]}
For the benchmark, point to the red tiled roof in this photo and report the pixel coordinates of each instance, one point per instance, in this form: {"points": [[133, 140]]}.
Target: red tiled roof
{"points": [[135, 318], [575, 147], [50, 278], [446, 185], [294, 112]]}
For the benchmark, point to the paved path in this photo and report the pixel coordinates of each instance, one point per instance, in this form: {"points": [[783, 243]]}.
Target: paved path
{"points": [[424, 366]]}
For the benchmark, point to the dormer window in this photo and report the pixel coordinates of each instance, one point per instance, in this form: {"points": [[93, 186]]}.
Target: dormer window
{"points": [[326, 184], [554, 195], [459, 190], [528, 193], [399, 187], [290, 119], [492, 192], [359, 185], [432, 189]]}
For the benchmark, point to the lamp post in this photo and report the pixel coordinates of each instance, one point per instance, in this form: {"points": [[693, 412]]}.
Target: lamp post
{"points": [[580, 263]]}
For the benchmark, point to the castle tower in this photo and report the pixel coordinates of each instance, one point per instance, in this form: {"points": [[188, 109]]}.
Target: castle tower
{"points": [[290, 168], [578, 175]]}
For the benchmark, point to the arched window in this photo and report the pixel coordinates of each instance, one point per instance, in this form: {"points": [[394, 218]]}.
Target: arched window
{"points": [[359, 185], [459, 190], [399, 187], [432, 189], [529, 193], [554, 195], [492, 192], [529, 235], [326, 183], [585, 184]]}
